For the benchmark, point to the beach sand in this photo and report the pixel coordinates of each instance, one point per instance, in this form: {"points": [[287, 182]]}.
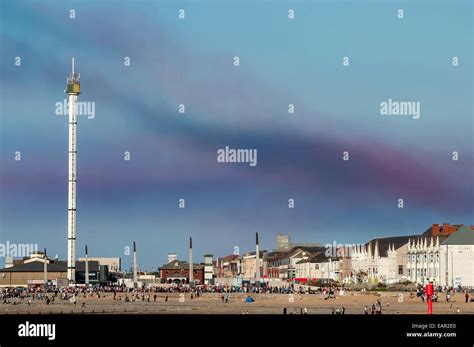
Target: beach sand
{"points": [[211, 303]]}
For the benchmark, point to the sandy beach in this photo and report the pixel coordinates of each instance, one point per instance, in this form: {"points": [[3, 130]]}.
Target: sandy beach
{"points": [[211, 303]]}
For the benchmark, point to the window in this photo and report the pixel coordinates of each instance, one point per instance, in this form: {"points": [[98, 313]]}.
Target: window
{"points": [[400, 269]]}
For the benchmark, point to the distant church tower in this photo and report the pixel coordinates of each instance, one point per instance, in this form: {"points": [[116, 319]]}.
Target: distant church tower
{"points": [[283, 241]]}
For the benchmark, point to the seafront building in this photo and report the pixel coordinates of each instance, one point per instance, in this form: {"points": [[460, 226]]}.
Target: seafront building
{"points": [[446, 257], [30, 272], [442, 254]]}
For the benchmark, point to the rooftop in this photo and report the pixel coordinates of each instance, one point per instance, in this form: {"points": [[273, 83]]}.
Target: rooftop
{"points": [[384, 242], [178, 264], [463, 236], [53, 266]]}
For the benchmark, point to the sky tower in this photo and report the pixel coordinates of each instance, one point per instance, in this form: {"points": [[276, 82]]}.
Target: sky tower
{"points": [[73, 88]]}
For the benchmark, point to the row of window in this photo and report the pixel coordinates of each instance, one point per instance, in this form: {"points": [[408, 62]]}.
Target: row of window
{"points": [[423, 272], [423, 258]]}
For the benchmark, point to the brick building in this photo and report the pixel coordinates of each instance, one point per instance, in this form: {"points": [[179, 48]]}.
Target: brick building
{"points": [[178, 271], [227, 267]]}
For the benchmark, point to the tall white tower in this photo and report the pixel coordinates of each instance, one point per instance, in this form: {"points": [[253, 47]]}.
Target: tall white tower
{"points": [[73, 89]]}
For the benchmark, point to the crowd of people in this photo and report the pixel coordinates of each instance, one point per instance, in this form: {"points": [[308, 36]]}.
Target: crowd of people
{"points": [[376, 308], [49, 295], [449, 293]]}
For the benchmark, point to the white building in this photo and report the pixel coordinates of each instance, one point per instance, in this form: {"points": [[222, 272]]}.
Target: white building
{"points": [[423, 260], [296, 255], [380, 260], [319, 267], [208, 269], [444, 256], [456, 259], [308, 267], [113, 264]]}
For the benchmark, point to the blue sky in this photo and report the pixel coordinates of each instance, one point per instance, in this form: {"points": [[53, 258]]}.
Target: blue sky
{"points": [[173, 156]]}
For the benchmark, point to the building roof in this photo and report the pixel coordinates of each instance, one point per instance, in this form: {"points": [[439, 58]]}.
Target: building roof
{"points": [[385, 242], [463, 236], [229, 258], [178, 264], [292, 246], [399, 241], [445, 230], [260, 254], [310, 249], [318, 257], [279, 254], [35, 266], [305, 245], [53, 266]]}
